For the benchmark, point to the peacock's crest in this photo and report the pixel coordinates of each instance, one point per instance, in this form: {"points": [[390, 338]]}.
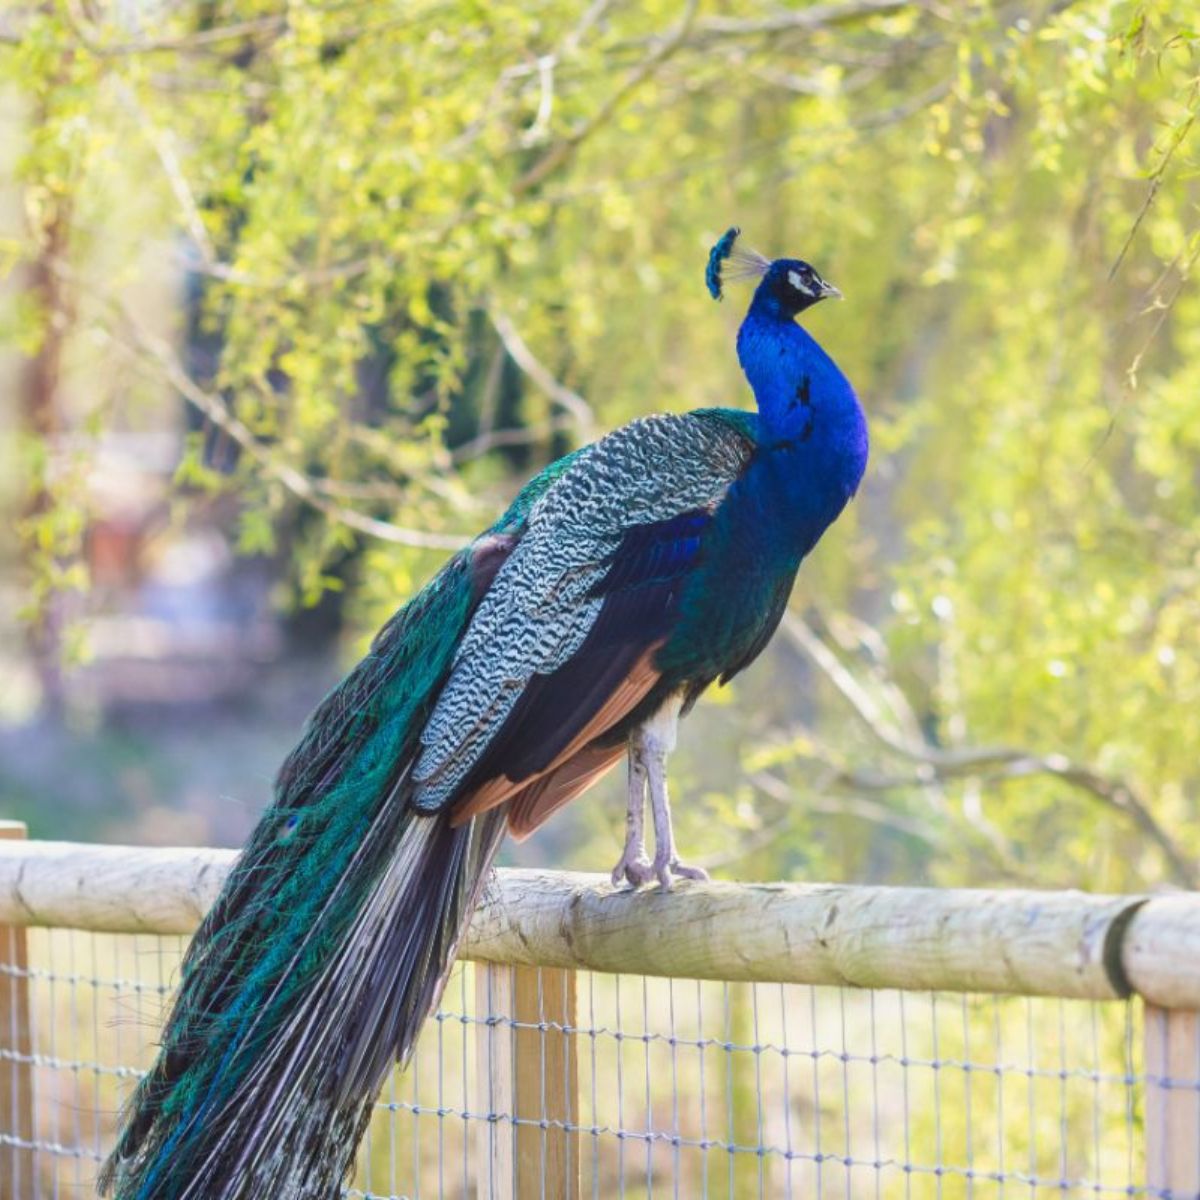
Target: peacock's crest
{"points": [[745, 264]]}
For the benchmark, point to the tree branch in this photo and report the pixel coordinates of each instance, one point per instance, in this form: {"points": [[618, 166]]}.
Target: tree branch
{"points": [[164, 149], [295, 481], [864, 810], [815, 16], [935, 765], [316, 276], [519, 352], [305, 489], [1178, 137], [563, 149], [493, 439], [192, 41]]}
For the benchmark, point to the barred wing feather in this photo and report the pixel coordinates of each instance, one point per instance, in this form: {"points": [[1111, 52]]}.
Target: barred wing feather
{"points": [[561, 647]]}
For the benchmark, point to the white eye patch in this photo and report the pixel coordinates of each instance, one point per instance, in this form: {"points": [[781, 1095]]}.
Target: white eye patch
{"points": [[799, 283]]}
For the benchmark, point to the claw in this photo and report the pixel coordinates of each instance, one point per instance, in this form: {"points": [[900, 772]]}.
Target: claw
{"points": [[632, 868], [662, 872], [666, 871]]}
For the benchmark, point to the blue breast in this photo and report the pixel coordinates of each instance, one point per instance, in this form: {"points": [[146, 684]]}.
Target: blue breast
{"points": [[811, 455]]}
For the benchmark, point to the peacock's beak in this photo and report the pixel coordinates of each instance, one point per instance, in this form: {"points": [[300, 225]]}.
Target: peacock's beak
{"points": [[829, 292]]}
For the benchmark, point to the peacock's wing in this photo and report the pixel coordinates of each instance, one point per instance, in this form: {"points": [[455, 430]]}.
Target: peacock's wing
{"points": [[561, 648]]}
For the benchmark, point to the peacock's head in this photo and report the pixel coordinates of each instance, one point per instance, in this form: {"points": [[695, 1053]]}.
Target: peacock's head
{"points": [[788, 285], [795, 286]]}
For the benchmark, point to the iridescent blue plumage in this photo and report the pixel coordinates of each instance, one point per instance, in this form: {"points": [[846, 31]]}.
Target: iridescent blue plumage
{"points": [[621, 583]]}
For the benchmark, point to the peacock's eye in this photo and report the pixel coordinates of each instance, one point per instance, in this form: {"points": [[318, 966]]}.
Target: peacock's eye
{"points": [[801, 283]]}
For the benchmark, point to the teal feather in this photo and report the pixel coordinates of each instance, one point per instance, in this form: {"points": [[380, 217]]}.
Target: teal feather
{"points": [[297, 889], [716, 256]]}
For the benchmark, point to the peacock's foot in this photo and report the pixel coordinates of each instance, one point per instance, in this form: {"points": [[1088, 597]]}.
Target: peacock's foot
{"points": [[633, 867], [666, 868]]}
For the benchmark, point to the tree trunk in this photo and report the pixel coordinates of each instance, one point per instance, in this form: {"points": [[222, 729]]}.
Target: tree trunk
{"points": [[42, 420]]}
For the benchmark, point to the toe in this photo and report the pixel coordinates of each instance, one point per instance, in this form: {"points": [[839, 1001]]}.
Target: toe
{"points": [[639, 872], [632, 870]]}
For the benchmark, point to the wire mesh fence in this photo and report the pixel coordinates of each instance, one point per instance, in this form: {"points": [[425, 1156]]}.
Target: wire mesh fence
{"points": [[636, 1086]]}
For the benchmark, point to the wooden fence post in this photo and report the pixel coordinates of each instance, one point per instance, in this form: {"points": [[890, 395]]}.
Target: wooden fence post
{"points": [[16, 1066], [530, 1074], [1172, 1056]]}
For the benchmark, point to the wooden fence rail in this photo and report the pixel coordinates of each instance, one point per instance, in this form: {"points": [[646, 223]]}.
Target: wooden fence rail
{"points": [[1069, 944], [1066, 944]]}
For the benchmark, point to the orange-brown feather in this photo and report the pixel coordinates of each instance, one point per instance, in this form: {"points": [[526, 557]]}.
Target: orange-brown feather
{"points": [[540, 800], [621, 701]]}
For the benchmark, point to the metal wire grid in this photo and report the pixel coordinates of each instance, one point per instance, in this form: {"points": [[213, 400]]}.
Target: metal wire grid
{"points": [[691, 1088], [683, 1088]]}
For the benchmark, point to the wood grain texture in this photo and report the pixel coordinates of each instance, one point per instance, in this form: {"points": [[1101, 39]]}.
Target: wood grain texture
{"points": [[1161, 951], [1172, 1048], [1069, 944], [113, 889], [495, 1145], [16, 1067], [1028, 943], [529, 1076]]}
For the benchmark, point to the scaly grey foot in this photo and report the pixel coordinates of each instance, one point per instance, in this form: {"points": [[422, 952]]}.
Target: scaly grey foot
{"points": [[633, 868]]}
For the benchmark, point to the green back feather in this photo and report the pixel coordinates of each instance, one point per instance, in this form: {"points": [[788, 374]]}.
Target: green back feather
{"points": [[301, 880]]}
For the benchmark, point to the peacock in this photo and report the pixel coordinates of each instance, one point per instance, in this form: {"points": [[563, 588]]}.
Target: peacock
{"points": [[623, 580]]}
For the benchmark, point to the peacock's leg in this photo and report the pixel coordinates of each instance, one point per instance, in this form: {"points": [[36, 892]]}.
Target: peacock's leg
{"points": [[633, 865], [649, 746], [666, 864]]}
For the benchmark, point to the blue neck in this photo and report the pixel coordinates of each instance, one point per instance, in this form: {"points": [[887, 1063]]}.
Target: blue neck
{"points": [[812, 432]]}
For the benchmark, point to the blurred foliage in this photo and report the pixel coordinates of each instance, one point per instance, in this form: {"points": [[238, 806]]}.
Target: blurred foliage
{"points": [[419, 234]]}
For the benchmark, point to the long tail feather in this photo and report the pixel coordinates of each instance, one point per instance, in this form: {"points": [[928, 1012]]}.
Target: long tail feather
{"points": [[295, 1123], [328, 946]]}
